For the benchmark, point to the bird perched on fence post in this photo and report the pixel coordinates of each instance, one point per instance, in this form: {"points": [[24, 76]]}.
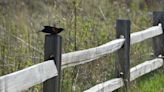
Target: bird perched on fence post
{"points": [[51, 30]]}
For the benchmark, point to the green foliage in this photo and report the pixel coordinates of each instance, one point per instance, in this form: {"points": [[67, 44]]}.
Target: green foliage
{"points": [[152, 82], [21, 45]]}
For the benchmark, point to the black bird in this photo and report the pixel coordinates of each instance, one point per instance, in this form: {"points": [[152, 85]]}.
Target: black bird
{"points": [[51, 30]]}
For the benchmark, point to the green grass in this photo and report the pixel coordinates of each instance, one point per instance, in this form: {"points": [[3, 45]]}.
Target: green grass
{"points": [[152, 82], [24, 18]]}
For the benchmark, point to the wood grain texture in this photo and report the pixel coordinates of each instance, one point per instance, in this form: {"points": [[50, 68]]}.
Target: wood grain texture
{"points": [[53, 47], [135, 72], [158, 41], [145, 68], [83, 56], [107, 86], [87, 55], [28, 77], [122, 63], [145, 34]]}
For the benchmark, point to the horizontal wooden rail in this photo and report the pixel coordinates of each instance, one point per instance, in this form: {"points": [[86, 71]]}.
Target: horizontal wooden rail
{"points": [[145, 34], [38, 73], [135, 72], [28, 77], [83, 56], [87, 55]]}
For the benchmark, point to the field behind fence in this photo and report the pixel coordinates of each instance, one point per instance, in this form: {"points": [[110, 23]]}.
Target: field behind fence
{"points": [[88, 29]]}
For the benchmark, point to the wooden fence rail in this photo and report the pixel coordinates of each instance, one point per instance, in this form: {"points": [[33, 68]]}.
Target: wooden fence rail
{"points": [[49, 71], [135, 72], [83, 56], [28, 77], [87, 55]]}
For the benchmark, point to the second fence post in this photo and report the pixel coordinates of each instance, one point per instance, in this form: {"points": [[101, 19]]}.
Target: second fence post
{"points": [[53, 44], [122, 64], [158, 41]]}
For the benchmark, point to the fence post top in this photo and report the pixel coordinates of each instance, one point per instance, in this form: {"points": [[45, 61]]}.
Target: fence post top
{"points": [[158, 12], [123, 20]]}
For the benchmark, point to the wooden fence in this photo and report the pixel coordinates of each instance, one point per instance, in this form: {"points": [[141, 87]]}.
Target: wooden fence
{"points": [[49, 71]]}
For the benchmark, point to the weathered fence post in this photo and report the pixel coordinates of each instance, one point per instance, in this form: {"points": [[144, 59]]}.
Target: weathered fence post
{"points": [[53, 44], [122, 64], [158, 41]]}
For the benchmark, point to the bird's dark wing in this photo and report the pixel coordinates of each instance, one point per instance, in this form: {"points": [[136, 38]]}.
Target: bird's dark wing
{"points": [[52, 30], [58, 30], [47, 29]]}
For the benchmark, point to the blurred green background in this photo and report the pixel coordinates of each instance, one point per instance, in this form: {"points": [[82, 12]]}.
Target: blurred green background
{"points": [[87, 23]]}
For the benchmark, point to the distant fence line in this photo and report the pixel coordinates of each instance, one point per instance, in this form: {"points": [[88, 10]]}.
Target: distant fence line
{"points": [[49, 71]]}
